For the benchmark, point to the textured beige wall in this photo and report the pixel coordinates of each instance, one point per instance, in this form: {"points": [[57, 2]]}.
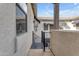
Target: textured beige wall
{"points": [[65, 43]]}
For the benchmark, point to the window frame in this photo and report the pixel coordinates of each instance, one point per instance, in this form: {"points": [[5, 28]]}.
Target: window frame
{"points": [[25, 19], [45, 27]]}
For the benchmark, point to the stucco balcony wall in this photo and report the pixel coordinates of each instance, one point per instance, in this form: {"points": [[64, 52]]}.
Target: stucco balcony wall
{"points": [[65, 42]]}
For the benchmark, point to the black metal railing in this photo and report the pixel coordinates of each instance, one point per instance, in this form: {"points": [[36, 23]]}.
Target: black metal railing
{"points": [[45, 40]]}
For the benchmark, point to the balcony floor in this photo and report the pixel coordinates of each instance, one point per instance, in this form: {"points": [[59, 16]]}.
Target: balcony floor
{"points": [[39, 52]]}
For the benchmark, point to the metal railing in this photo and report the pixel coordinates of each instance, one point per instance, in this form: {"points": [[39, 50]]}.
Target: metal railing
{"points": [[45, 40]]}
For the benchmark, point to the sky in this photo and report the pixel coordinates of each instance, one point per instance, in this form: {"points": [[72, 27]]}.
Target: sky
{"points": [[66, 9]]}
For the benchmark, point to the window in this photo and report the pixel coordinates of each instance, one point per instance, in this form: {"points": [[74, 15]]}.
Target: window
{"points": [[51, 26], [45, 26], [21, 20]]}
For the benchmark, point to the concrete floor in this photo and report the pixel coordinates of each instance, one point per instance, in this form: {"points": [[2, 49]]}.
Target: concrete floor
{"points": [[37, 49], [39, 52]]}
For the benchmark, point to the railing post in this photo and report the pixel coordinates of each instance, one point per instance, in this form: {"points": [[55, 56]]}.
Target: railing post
{"points": [[43, 40]]}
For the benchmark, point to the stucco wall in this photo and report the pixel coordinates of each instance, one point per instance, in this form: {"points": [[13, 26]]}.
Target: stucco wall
{"points": [[65, 42], [7, 28], [41, 28], [24, 41], [10, 43]]}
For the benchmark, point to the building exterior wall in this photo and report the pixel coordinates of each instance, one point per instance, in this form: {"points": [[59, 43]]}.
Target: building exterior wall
{"points": [[10, 43], [24, 41], [41, 28], [7, 28]]}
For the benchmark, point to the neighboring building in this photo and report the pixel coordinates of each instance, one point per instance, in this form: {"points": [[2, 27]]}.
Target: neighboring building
{"points": [[76, 24]]}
